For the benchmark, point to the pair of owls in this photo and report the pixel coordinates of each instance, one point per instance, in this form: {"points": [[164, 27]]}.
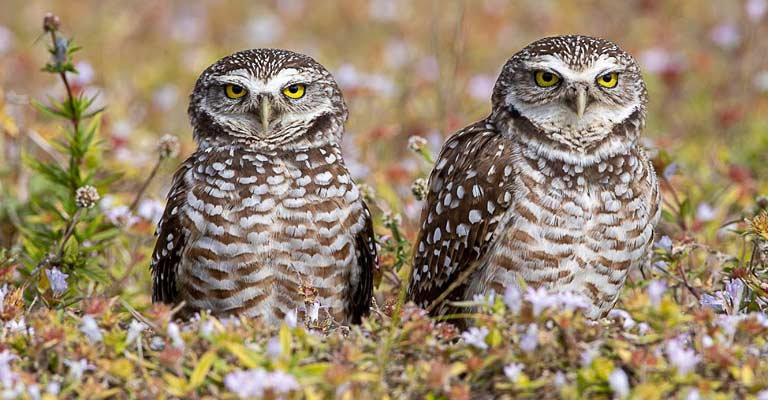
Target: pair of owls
{"points": [[551, 189]]}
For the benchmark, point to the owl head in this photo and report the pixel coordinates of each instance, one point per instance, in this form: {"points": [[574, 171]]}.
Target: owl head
{"points": [[267, 97], [574, 90]]}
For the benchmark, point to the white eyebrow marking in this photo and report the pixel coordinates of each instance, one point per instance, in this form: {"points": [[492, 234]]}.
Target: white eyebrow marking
{"points": [[602, 64], [273, 85]]}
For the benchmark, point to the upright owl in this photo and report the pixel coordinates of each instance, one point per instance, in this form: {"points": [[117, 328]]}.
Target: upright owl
{"points": [[265, 209], [552, 189]]}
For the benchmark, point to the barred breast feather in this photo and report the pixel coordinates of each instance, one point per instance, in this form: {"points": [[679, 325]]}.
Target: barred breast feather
{"points": [[245, 231]]}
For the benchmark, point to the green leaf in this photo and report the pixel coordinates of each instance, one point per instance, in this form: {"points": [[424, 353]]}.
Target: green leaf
{"points": [[201, 370], [94, 272]]}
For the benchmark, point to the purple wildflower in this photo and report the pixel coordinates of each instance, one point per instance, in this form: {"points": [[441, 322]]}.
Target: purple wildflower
{"points": [[665, 243], [58, 281]]}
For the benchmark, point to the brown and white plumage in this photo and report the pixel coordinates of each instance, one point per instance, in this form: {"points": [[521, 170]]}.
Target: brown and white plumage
{"points": [[552, 189], [265, 207]]}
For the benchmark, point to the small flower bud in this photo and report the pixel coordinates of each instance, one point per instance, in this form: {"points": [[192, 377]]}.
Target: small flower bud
{"points": [[86, 196], [390, 219], [762, 202], [168, 147], [416, 143], [51, 22], [367, 191], [419, 189], [59, 56]]}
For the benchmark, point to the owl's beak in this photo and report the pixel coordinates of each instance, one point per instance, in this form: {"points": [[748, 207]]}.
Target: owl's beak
{"points": [[581, 101], [578, 100], [265, 110]]}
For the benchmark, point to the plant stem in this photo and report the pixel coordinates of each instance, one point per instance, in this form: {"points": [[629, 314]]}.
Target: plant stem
{"points": [[69, 232], [144, 186], [74, 118]]}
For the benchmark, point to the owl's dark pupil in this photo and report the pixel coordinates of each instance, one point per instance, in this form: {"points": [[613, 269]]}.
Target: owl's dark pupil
{"points": [[293, 88], [547, 77], [606, 78], [237, 89]]}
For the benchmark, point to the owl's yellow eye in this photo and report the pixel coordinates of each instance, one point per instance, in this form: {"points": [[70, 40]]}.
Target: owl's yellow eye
{"points": [[546, 79], [295, 91], [235, 91], [608, 80]]}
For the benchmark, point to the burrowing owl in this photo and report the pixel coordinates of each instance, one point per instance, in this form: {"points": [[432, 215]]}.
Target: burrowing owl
{"points": [[265, 209], [553, 188]]}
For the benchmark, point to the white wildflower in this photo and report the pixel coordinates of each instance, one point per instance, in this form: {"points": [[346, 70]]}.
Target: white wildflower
{"points": [[705, 212], [150, 210], [206, 329], [53, 388], [91, 329], [314, 311], [3, 293], [416, 143], [254, 382], [513, 299], [530, 340], [756, 9], [571, 301], [628, 322], [559, 380], [476, 337], [512, 371], [134, 330], [656, 289], [291, 319], [274, 349], [682, 359], [175, 335], [282, 382], [18, 326], [78, 368], [540, 299], [619, 383]]}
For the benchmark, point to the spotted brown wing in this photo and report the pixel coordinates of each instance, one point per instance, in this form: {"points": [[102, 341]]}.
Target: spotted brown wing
{"points": [[171, 239], [468, 195], [361, 294]]}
